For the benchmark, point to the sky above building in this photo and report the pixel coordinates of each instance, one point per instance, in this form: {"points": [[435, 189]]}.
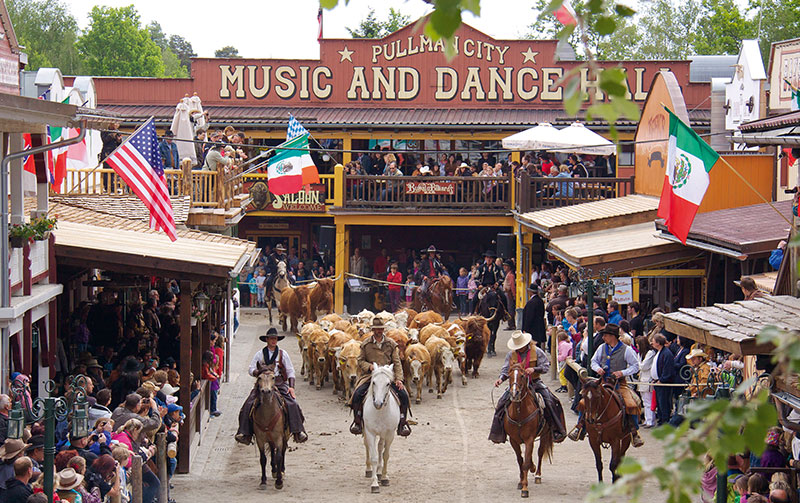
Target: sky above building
{"points": [[288, 29]]}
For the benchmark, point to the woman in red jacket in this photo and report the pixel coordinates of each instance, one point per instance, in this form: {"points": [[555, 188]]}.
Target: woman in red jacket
{"points": [[395, 279]]}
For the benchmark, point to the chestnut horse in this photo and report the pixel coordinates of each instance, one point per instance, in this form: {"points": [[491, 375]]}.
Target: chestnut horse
{"points": [[524, 423], [440, 293], [604, 416]]}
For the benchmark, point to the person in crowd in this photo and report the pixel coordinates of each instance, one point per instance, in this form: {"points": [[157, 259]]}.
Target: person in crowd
{"points": [[429, 271], [772, 456], [749, 288], [392, 188], [209, 369], [395, 287], [662, 371], [510, 291], [410, 286], [271, 356], [647, 357], [636, 319], [11, 450], [489, 274], [533, 321], [5, 409], [613, 313], [218, 158], [140, 408], [301, 274], [358, 264], [559, 302], [17, 489], [169, 151], [462, 291], [564, 352]]}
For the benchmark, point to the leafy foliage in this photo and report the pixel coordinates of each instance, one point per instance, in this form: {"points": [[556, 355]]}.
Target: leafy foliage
{"points": [[371, 27], [174, 67], [116, 44], [228, 51], [48, 31], [778, 19]]}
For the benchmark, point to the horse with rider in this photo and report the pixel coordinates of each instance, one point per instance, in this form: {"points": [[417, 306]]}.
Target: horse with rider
{"points": [[436, 287], [609, 409]]}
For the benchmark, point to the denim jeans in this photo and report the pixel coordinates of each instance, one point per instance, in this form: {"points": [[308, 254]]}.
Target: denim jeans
{"points": [[150, 485], [214, 400], [463, 304]]}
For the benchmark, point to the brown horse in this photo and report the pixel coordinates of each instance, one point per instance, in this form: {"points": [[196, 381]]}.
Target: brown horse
{"points": [[440, 295], [604, 416], [270, 428], [524, 423]]}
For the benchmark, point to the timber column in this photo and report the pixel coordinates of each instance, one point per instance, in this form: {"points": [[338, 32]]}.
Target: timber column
{"points": [[342, 262]]}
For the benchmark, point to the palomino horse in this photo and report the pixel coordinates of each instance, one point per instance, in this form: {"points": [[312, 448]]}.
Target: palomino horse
{"points": [[280, 281], [381, 416], [440, 295], [524, 423], [604, 416], [269, 426]]}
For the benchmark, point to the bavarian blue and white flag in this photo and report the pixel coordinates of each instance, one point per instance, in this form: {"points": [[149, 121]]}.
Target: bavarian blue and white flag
{"points": [[295, 129]]}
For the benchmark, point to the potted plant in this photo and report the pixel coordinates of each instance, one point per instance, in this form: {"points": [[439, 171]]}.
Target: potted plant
{"points": [[18, 234], [42, 227]]}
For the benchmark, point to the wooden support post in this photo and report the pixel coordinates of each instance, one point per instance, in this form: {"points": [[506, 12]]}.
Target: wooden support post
{"points": [[347, 146], [554, 352], [161, 464], [186, 178], [184, 394], [136, 479], [341, 266]]}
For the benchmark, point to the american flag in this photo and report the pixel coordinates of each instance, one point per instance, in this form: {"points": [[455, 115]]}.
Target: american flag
{"points": [[138, 162], [295, 129]]}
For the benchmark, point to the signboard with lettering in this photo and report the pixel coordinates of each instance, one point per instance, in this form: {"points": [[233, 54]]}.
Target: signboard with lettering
{"points": [[431, 188], [784, 71], [623, 290], [404, 69], [312, 200]]}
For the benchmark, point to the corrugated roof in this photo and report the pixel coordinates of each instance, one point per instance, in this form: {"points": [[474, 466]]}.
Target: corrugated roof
{"points": [[705, 68], [129, 207], [555, 222], [774, 122], [317, 117], [745, 230]]}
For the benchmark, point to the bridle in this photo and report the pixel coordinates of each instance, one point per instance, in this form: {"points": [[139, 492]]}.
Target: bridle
{"points": [[594, 418], [516, 395], [516, 398], [385, 395]]}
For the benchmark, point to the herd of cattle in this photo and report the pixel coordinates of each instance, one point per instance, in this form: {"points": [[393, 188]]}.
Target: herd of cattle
{"points": [[430, 348]]}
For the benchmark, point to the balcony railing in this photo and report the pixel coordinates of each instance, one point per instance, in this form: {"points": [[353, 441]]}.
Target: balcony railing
{"points": [[535, 193], [208, 189], [328, 180], [441, 194]]}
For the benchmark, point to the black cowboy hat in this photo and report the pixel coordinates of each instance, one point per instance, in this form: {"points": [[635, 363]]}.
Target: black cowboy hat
{"points": [[490, 253], [509, 263], [36, 442], [431, 248], [611, 329], [272, 332]]}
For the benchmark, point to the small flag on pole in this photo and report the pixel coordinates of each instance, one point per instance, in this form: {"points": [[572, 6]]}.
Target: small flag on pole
{"points": [[566, 14], [689, 161], [295, 129], [319, 20], [139, 163], [291, 167]]}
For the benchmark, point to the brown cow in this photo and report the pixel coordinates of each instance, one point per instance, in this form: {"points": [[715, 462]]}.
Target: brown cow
{"points": [[346, 326], [418, 360], [302, 341], [335, 343], [425, 318], [409, 315], [348, 366], [294, 303], [321, 298], [478, 333], [431, 330], [329, 320], [318, 354], [399, 336], [441, 364]]}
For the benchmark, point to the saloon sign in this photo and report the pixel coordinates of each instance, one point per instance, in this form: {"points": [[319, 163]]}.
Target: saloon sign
{"points": [[312, 200]]}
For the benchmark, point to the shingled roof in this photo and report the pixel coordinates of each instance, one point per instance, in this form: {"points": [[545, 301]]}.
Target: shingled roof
{"points": [[128, 207]]}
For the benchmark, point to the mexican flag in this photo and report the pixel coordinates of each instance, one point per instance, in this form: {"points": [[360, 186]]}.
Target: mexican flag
{"points": [[689, 160], [291, 167]]}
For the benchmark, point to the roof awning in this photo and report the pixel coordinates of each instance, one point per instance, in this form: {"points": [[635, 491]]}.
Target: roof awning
{"points": [[593, 216], [85, 237], [734, 327], [19, 114], [619, 249]]}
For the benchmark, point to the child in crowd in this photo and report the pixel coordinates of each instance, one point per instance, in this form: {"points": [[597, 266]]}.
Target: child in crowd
{"points": [[462, 285], [395, 290], [210, 374], [251, 282], [564, 352], [261, 284], [410, 289], [472, 284]]}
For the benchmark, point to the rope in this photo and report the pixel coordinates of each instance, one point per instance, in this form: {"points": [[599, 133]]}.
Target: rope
{"points": [[399, 284]]}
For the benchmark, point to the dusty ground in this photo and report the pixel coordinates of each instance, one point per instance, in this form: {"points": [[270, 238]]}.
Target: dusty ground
{"points": [[447, 457]]}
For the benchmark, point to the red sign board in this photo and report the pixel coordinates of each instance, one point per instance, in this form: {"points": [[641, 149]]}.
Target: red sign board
{"points": [[431, 188], [312, 200]]}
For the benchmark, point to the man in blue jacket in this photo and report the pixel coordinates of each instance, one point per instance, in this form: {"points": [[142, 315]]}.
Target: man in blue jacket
{"points": [[613, 313], [169, 151], [663, 372]]}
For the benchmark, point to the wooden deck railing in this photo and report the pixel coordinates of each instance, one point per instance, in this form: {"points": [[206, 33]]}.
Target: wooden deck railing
{"points": [[534, 193], [427, 193], [208, 189], [328, 180]]}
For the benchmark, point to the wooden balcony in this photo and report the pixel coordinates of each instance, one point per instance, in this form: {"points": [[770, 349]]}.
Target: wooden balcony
{"points": [[426, 194], [536, 193], [217, 198]]}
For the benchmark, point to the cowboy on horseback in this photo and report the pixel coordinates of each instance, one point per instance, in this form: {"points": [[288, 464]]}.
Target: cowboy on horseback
{"points": [[378, 350], [429, 271], [278, 255], [272, 357], [535, 362], [615, 360]]}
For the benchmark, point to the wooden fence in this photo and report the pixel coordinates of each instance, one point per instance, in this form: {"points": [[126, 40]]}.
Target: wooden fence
{"points": [[534, 193]]}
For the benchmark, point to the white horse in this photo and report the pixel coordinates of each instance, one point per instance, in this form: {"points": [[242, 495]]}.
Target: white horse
{"points": [[381, 416]]}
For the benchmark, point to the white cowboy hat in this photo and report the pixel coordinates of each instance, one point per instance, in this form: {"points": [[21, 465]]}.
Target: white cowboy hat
{"points": [[519, 339], [424, 169], [695, 353], [168, 389]]}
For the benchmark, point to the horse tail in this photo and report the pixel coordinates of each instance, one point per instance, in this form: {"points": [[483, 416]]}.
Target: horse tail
{"points": [[546, 443]]}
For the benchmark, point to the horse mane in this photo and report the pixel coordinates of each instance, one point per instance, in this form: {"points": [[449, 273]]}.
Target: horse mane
{"points": [[388, 372]]}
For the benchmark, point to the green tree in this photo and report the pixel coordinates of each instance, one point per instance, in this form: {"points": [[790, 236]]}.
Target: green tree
{"points": [[174, 66], [371, 27], [116, 44], [48, 31], [721, 28], [670, 26], [183, 50], [228, 51], [777, 19]]}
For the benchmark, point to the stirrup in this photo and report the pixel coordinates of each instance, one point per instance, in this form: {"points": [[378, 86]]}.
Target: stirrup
{"points": [[356, 428], [244, 439], [576, 434], [636, 440], [403, 429]]}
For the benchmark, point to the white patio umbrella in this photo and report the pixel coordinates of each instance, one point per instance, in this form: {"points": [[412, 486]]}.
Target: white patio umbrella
{"points": [[183, 130], [541, 137], [578, 139]]}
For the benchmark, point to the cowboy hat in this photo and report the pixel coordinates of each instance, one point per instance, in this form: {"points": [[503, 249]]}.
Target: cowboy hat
{"points": [[519, 339], [280, 247], [169, 389], [377, 323], [425, 169], [697, 352], [151, 385], [464, 165], [430, 249], [93, 363], [11, 447], [611, 329], [68, 479], [272, 332], [490, 253], [36, 442]]}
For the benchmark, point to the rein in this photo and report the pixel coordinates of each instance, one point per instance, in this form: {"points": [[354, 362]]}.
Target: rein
{"points": [[518, 401], [594, 419]]}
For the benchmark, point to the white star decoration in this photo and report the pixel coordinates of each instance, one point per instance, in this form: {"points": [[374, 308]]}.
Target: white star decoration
{"points": [[529, 55], [345, 54]]}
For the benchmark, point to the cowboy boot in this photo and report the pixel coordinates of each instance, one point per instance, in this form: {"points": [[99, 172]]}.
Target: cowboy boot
{"points": [[636, 440], [356, 428], [300, 437], [244, 439], [403, 429]]}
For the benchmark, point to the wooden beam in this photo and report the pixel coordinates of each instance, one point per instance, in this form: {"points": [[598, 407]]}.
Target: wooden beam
{"points": [[400, 220], [184, 442], [129, 269]]}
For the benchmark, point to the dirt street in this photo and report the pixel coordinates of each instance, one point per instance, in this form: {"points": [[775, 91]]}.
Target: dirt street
{"points": [[447, 457]]}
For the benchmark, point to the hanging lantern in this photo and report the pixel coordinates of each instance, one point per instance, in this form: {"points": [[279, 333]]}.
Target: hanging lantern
{"points": [[80, 417], [201, 300], [16, 421]]}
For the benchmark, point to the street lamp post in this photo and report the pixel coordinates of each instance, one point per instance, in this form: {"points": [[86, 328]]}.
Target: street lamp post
{"points": [[50, 409], [583, 281]]}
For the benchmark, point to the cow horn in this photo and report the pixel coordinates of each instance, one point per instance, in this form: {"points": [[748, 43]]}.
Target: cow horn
{"points": [[336, 278], [493, 315], [314, 275]]}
